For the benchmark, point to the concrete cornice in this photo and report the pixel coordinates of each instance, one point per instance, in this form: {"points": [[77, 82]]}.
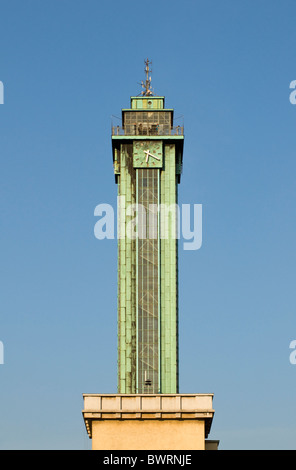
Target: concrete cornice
{"points": [[148, 407]]}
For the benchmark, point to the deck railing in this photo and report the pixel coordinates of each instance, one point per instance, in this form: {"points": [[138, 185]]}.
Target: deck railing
{"points": [[161, 130]]}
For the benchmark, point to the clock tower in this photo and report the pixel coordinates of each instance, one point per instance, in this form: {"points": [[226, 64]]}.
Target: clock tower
{"points": [[148, 412], [147, 155]]}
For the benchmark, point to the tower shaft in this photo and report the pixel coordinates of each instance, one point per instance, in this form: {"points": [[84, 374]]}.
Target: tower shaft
{"points": [[147, 153]]}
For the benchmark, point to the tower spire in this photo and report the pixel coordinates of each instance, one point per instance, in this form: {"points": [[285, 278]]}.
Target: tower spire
{"points": [[147, 84]]}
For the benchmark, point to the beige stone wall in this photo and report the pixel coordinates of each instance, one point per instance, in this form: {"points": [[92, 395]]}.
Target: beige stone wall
{"points": [[168, 434]]}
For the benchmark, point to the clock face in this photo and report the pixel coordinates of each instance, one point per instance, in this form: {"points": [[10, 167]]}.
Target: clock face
{"points": [[147, 154]]}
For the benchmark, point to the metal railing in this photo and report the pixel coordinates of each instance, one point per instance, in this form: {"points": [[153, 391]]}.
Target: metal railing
{"points": [[161, 130]]}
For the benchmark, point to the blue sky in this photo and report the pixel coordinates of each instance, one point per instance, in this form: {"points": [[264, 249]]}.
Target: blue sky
{"points": [[67, 67]]}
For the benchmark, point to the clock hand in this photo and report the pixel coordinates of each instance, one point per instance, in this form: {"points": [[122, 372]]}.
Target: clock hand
{"points": [[150, 154], [154, 156]]}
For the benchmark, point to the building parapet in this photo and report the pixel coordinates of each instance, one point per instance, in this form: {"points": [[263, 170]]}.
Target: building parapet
{"points": [[148, 406]]}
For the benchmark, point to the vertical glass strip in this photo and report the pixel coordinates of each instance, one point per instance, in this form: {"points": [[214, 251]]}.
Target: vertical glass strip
{"points": [[148, 285], [157, 279], [137, 303]]}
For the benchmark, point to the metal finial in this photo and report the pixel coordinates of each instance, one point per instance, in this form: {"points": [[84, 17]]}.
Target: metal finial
{"points": [[147, 84]]}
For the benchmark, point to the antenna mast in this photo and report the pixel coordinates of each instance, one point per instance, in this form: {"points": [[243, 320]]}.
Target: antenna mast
{"points": [[147, 84]]}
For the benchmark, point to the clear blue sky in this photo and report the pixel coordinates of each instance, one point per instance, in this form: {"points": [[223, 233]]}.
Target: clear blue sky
{"points": [[67, 66]]}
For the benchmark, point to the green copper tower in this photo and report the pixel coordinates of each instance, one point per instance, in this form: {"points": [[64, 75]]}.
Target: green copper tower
{"points": [[147, 155]]}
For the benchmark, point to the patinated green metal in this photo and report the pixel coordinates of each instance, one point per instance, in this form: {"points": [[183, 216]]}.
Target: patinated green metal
{"points": [[155, 264]]}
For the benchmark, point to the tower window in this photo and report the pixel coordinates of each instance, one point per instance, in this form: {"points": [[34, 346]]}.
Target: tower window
{"points": [[147, 123]]}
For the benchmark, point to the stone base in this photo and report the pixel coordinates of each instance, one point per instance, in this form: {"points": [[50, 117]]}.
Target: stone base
{"points": [[148, 422]]}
